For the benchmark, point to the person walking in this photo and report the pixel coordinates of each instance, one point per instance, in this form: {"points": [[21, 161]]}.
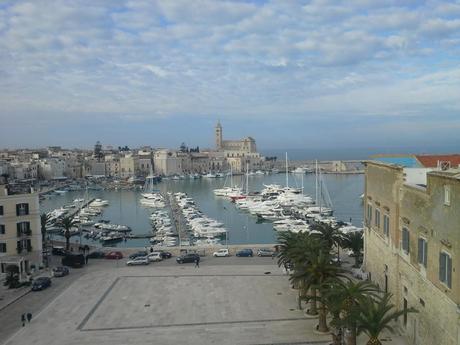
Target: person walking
{"points": [[23, 319], [197, 262], [29, 317]]}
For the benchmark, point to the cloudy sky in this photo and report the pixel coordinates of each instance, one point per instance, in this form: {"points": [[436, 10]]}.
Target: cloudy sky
{"points": [[292, 74]]}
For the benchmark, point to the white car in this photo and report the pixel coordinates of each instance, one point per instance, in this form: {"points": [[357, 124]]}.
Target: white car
{"points": [[221, 252], [155, 256], [140, 260]]}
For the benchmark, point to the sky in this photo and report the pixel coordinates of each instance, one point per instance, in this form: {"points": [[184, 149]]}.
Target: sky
{"points": [[292, 74]]}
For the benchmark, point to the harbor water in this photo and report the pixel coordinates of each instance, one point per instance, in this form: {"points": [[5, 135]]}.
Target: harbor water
{"points": [[124, 207]]}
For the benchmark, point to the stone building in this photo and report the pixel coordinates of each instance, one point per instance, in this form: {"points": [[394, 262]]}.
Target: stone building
{"points": [[129, 166], [412, 243], [238, 152], [20, 233]]}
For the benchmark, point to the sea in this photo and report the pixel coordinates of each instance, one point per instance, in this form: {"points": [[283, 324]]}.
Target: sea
{"points": [[243, 228]]}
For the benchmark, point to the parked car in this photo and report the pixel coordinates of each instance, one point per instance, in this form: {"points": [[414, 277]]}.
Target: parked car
{"points": [[73, 260], [187, 258], [221, 252], [139, 260], [155, 256], [58, 251], [165, 255], [98, 254], [245, 252], [60, 271], [138, 254], [114, 255], [41, 283], [265, 252]]}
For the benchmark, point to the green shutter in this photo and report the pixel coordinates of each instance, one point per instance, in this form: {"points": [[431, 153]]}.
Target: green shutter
{"points": [[449, 271], [420, 251], [425, 257], [442, 267]]}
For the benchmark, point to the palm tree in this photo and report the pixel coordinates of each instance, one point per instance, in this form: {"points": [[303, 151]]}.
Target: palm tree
{"points": [[355, 242], [375, 316], [351, 294], [67, 223], [330, 235], [43, 220], [315, 272], [294, 248]]}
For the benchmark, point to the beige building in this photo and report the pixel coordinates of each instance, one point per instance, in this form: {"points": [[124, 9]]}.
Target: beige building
{"points": [[20, 233], [167, 162], [412, 243], [238, 153], [129, 166]]}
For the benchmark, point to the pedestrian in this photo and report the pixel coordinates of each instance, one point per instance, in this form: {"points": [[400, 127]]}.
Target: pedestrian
{"points": [[197, 261], [29, 317], [86, 259], [23, 319]]}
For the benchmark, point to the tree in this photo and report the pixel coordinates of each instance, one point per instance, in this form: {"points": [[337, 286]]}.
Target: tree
{"points": [[351, 293], [330, 235], [355, 242], [12, 276], [43, 220], [317, 270], [67, 223], [375, 315]]}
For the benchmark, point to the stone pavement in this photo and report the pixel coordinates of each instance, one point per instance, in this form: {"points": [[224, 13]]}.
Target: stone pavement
{"points": [[171, 304]]}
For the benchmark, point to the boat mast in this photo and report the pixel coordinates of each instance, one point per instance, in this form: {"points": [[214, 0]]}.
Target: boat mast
{"points": [[287, 175], [316, 181], [247, 178]]}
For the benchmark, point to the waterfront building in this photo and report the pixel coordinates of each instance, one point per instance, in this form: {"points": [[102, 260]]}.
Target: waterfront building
{"points": [[112, 165], [129, 166], [238, 152], [167, 162], [20, 233], [51, 168], [98, 168], [412, 242]]}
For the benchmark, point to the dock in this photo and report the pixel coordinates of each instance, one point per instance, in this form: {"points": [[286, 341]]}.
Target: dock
{"points": [[75, 211]]}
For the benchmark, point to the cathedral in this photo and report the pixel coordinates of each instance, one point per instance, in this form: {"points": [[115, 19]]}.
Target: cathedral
{"points": [[239, 154], [246, 145]]}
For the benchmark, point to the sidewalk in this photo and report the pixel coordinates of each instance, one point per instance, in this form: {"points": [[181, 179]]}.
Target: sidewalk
{"points": [[8, 296]]}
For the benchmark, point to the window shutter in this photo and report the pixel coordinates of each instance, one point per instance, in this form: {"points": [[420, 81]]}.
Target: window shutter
{"points": [[18, 207], [442, 267], [27, 208], [420, 250], [449, 271], [18, 229], [425, 251]]}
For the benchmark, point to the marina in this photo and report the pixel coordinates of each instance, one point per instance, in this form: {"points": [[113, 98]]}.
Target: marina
{"points": [[124, 207]]}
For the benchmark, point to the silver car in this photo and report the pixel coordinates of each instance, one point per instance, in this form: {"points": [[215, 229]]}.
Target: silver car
{"points": [[140, 260]]}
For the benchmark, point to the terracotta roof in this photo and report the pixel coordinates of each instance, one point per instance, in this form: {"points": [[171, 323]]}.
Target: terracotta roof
{"points": [[431, 161]]}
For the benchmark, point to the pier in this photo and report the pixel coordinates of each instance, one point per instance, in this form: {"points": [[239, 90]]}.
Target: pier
{"points": [[75, 211]]}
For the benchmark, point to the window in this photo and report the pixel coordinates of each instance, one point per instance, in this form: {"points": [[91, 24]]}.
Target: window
{"points": [[23, 228], [405, 240], [422, 251], [22, 209], [447, 195], [369, 214], [445, 269], [386, 225], [2, 247], [377, 218], [1, 210], [2, 229]]}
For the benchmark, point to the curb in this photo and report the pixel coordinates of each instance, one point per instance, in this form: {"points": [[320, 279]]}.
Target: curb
{"points": [[14, 300]]}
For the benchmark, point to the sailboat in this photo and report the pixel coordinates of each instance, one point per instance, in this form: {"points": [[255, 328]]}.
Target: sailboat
{"points": [[227, 191], [149, 192]]}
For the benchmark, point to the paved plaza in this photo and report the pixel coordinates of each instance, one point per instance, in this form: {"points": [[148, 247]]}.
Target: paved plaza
{"points": [[213, 304]]}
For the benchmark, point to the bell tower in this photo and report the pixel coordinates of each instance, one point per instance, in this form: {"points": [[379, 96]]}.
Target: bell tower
{"points": [[218, 134]]}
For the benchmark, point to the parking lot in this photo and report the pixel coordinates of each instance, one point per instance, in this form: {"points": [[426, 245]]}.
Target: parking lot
{"points": [[226, 300]]}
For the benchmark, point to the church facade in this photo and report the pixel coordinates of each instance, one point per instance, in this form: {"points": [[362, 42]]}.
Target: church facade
{"points": [[238, 153]]}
